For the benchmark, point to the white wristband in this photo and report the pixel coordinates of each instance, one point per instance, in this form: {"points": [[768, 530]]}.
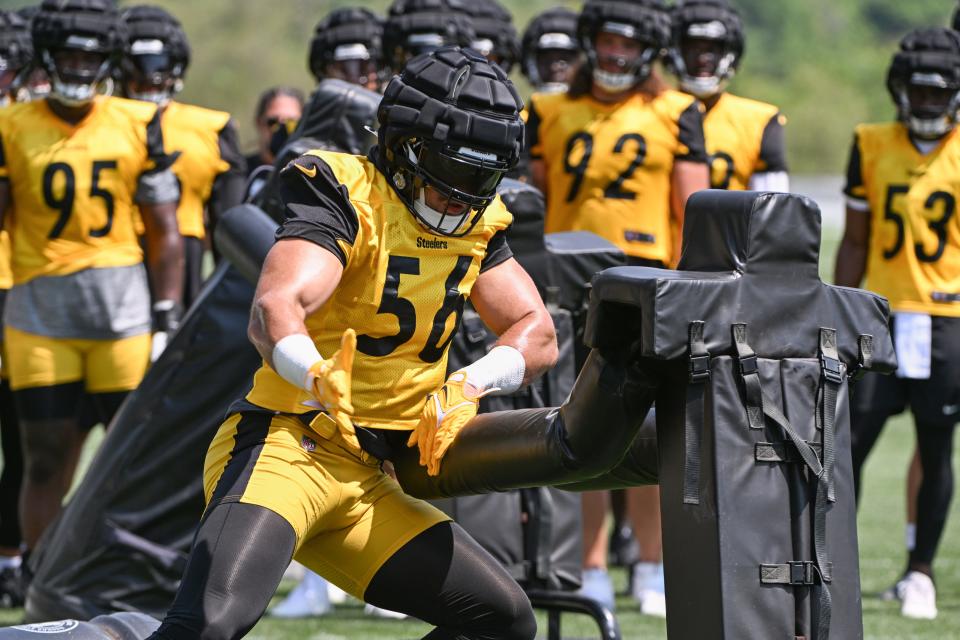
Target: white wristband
{"points": [[292, 358], [501, 369]]}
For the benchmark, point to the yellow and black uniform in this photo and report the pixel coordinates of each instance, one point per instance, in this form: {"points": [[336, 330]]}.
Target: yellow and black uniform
{"points": [[744, 137], [913, 258], [914, 252], [609, 165], [79, 306], [211, 172], [402, 290]]}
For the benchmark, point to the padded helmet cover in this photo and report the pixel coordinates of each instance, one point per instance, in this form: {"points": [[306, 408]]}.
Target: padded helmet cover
{"points": [[346, 26]]}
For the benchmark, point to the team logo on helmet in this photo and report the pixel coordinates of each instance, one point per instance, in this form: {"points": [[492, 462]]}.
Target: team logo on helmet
{"points": [[450, 129]]}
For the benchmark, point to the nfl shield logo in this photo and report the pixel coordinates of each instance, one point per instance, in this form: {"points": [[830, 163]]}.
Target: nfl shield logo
{"points": [[308, 444]]}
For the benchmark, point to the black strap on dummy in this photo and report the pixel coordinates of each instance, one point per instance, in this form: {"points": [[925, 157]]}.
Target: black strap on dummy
{"points": [[817, 573], [699, 370]]}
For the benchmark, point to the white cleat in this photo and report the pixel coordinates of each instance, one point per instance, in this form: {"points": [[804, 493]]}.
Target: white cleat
{"points": [[894, 592], [378, 612], [648, 589], [919, 597], [597, 586], [307, 600]]}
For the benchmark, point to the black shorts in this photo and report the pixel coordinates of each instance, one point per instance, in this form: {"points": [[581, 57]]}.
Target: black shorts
{"points": [[933, 401]]}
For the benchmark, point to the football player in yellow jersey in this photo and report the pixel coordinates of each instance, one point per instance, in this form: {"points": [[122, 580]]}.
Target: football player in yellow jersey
{"points": [[356, 305], [903, 239], [744, 137], [78, 317], [209, 165], [619, 153]]}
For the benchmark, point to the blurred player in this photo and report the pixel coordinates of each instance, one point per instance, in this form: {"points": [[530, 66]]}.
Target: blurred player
{"points": [[276, 107], [901, 235], [209, 165], [744, 137], [354, 312], [78, 317], [618, 154], [549, 50], [348, 44], [494, 34], [420, 26], [37, 83]]}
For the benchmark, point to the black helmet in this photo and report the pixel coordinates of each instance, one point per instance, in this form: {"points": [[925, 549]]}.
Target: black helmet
{"points": [[552, 30], [16, 54], [82, 27], [496, 37], [713, 20], [451, 122], [955, 21], [350, 38], [928, 58], [155, 56], [420, 26], [646, 21]]}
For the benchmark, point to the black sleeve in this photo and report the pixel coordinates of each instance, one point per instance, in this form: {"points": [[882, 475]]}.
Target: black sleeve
{"points": [[531, 131], [161, 160], [316, 206], [228, 187], [773, 149], [691, 134], [3, 155], [498, 251], [854, 186]]}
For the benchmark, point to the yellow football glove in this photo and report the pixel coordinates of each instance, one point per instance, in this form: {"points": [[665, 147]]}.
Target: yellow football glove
{"points": [[444, 414], [331, 382]]}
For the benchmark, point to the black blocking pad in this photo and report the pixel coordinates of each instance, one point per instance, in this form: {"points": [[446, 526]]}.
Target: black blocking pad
{"points": [[748, 257]]}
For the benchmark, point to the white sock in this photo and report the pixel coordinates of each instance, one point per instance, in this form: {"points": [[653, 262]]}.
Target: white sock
{"points": [[910, 535]]}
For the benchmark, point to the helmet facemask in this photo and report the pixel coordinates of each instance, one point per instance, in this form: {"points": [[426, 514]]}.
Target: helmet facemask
{"points": [[630, 70], [76, 71], [150, 73], [928, 104], [555, 62], [704, 63], [447, 188], [356, 64]]}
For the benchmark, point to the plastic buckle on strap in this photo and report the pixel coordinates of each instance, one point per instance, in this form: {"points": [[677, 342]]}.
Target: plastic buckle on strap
{"points": [[748, 365], [699, 368], [802, 572], [831, 369]]}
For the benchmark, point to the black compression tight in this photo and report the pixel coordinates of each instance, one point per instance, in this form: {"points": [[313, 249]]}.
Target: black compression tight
{"points": [[442, 577], [445, 578], [935, 445], [12, 477]]}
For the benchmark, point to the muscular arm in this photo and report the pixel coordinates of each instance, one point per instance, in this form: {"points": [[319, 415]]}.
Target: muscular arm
{"points": [[508, 303], [851, 262], [686, 179], [298, 277], [164, 250]]}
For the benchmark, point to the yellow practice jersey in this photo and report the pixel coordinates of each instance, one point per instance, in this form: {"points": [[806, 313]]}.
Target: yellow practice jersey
{"points": [[743, 137], [914, 253], [402, 289], [73, 186], [6, 275], [199, 136], [609, 166]]}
